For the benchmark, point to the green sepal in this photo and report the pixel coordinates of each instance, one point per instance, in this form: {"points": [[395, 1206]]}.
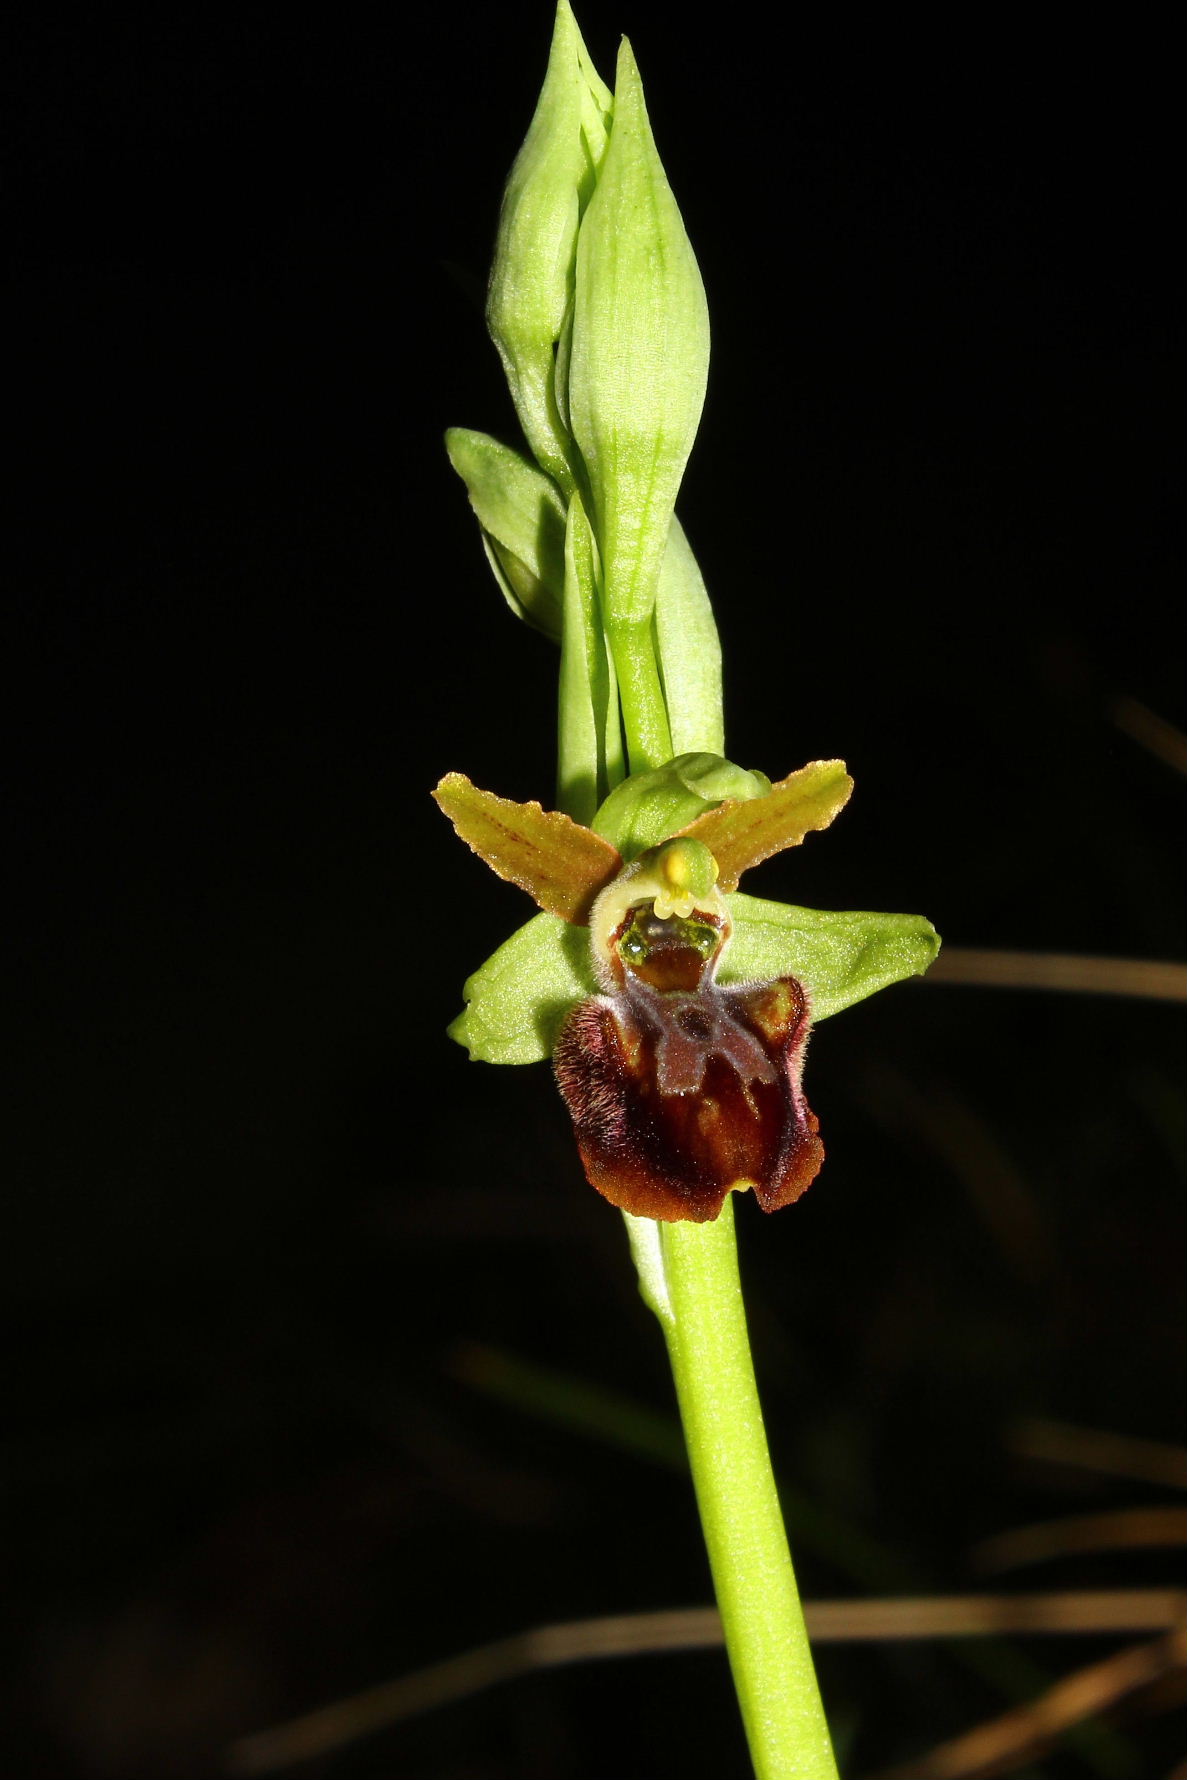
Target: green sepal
{"points": [[648, 807], [840, 957], [532, 277], [523, 524], [515, 1002]]}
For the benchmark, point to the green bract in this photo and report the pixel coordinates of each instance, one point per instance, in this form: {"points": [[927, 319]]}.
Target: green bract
{"points": [[523, 524], [637, 371], [689, 651]]}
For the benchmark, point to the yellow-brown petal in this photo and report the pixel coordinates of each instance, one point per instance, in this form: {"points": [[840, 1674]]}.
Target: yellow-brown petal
{"points": [[558, 862], [740, 834]]}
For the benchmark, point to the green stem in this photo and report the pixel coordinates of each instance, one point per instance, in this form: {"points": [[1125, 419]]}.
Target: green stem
{"points": [[688, 1274], [704, 1321]]}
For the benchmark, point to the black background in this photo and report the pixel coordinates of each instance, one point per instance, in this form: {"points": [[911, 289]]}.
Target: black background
{"points": [[268, 1231]]}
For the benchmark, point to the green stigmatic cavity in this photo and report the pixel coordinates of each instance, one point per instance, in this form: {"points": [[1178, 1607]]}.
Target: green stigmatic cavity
{"points": [[668, 953], [646, 933]]}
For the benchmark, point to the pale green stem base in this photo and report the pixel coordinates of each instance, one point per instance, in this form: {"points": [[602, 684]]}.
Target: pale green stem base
{"points": [[689, 1275]]}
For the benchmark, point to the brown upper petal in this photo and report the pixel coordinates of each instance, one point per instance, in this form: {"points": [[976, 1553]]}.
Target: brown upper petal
{"points": [[558, 862], [741, 833]]}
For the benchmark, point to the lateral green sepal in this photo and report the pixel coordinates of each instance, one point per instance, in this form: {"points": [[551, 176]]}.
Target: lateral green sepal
{"points": [[840, 957], [515, 1002]]}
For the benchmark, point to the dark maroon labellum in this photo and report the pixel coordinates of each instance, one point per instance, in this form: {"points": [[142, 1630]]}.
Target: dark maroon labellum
{"points": [[681, 1091]]}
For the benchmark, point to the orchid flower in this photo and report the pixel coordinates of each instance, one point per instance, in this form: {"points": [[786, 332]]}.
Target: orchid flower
{"points": [[678, 1013]]}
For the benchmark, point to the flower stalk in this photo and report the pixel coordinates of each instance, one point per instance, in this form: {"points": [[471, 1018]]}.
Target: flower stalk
{"points": [[770, 1658]]}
